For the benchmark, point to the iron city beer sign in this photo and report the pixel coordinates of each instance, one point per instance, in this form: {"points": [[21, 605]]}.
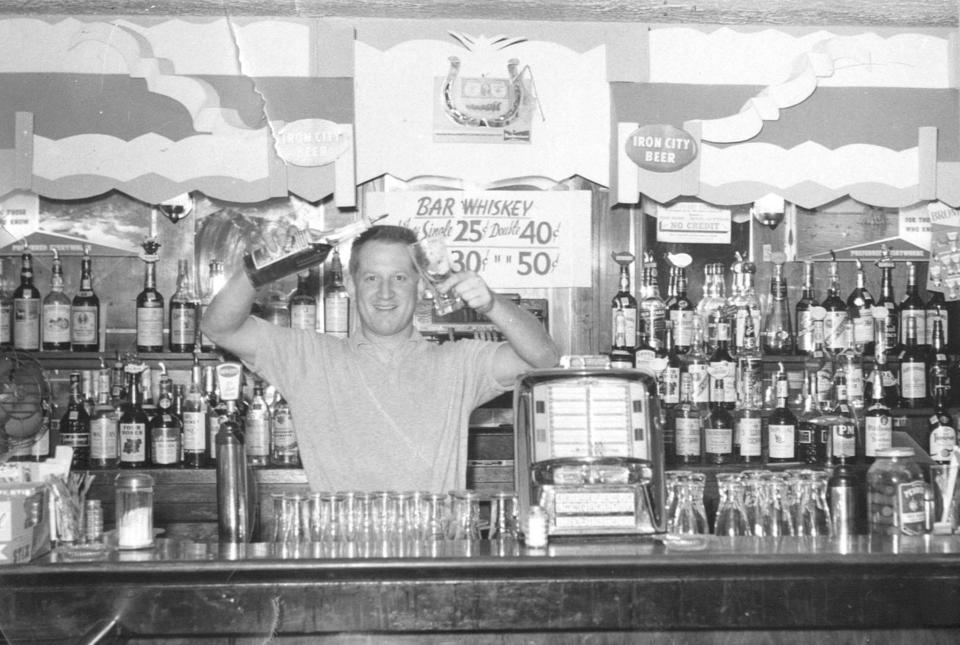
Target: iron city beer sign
{"points": [[661, 148]]}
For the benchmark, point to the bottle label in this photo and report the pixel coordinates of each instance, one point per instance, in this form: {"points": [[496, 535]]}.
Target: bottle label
{"points": [[878, 432], [920, 315], [284, 438], [213, 424], [150, 326], [103, 438], [336, 317], [682, 326], [688, 436], [629, 324], [844, 440], [183, 326], [910, 507], [718, 441], [913, 380], [56, 323], [804, 331], [84, 325], [194, 431], [133, 442], [699, 382], [942, 441], [6, 319], [782, 438], [749, 432], [303, 317], [670, 380], [75, 439], [26, 323], [257, 436], [723, 389], [863, 332], [166, 445], [835, 330]]}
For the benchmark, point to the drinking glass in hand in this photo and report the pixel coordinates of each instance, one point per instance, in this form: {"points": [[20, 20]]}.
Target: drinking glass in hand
{"points": [[433, 262]]}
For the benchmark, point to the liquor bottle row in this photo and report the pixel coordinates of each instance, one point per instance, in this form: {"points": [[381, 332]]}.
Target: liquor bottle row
{"points": [[821, 431], [111, 419], [57, 322], [857, 323]]}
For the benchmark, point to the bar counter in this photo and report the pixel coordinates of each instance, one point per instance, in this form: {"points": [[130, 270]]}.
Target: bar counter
{"points": [[598, 590]]}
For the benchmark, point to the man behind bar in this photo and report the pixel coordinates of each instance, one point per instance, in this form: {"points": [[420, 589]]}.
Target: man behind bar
{"points": [[384, 409]]}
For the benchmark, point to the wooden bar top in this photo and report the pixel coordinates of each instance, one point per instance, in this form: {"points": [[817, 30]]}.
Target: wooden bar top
{"points": [[187, 590]]}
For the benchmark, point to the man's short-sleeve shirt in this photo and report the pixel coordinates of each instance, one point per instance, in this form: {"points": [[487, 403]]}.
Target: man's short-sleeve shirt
{"points": [[371, 419]]}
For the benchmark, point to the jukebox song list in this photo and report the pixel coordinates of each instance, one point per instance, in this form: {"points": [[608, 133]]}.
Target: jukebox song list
{"points": [[515, 239]]}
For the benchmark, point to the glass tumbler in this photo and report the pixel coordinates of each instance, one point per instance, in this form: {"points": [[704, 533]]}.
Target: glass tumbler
{"points": [[464, 515], [503, 515], [432, 259], [731, 517]]}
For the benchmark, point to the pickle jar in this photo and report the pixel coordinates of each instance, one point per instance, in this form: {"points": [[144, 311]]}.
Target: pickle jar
{"points": [[896, 493]]}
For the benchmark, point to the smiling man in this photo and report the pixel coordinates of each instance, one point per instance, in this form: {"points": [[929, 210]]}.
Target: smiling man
{"points": [[383, 409]]}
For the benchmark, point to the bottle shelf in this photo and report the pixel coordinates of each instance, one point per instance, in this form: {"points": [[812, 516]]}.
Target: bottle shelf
{"points": [[67, 360]]}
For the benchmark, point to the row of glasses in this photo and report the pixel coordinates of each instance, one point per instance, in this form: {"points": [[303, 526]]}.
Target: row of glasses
{"points": [[387, 523], [752, 502]]}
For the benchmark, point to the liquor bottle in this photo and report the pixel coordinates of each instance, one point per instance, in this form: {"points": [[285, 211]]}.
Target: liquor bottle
{"points": [[265, 265], [336, 303], [695, 364], [150, 312], [687, 423], [913, 369], [804, 306], [26, 308], [104, 427], [749, 364], [890, 394], [303, 304], [748, 429], [681, 313], [913, 306], [943, 432], [257, 424], [215, 409], [147, 404], [75, 426], [133, 425], [891, 325], [877, 421], [118, 381], [215, 281], [781, 425], [812, 438], [778, 338], [85, 311], [6, 310], [671, 289], [194, 418], [819, 362], [835, 321], [55, 311], [939, 373], [722, 370], [284, 451], [850, 362], [711, 307], [746, 307], [670, 376], [937, 310], [165, 429], [718, 432], [184, 311], [651, 308], [845, 437], [622, 353], [860, 313], [645, 353], [624, 303]]}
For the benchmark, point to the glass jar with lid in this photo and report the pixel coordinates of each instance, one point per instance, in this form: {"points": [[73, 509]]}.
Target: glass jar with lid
{"points": [[896, 493], [134, 508]]}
